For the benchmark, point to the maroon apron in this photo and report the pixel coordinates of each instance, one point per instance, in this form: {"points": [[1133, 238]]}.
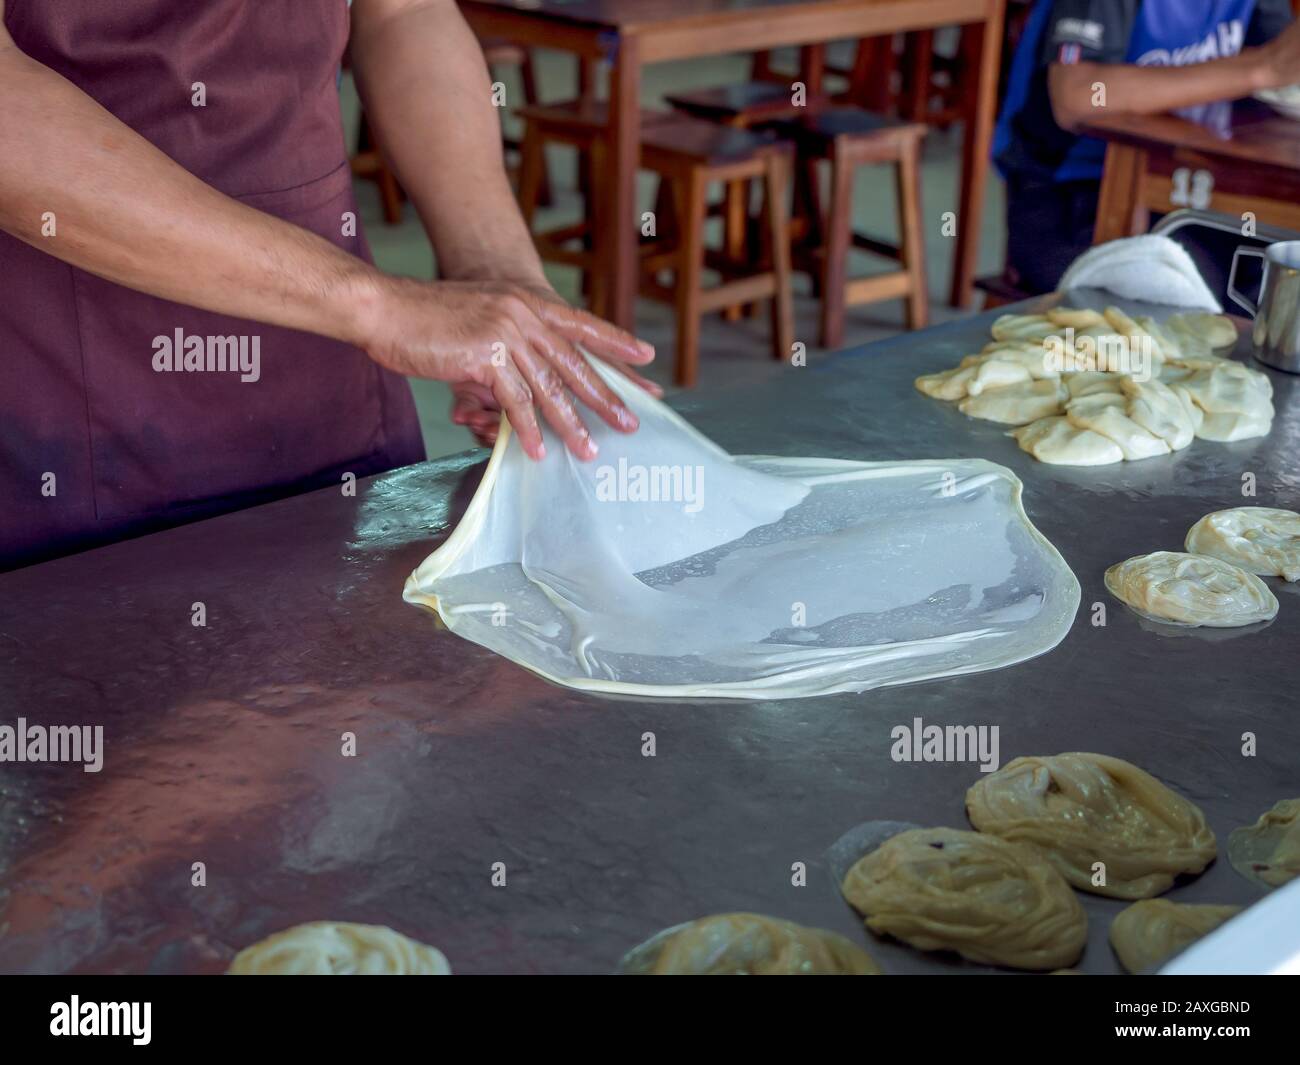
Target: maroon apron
{"points": [[132, 449]]}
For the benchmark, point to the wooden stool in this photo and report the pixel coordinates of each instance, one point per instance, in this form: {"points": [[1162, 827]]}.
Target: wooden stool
{"points": [[687, 155], [744, 106], [849, 137], [579, 123]]}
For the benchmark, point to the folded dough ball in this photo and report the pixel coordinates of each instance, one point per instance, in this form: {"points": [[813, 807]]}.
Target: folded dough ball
{"points": [[1140, 339], [1216, 330], [1085, 808], [1061, 317], [1260, 540], [947, 385], [1170, 586], [329, 948], [1016, 404], [989, 900], [1268, 852], [1024, 327], [1236, 400], [1104, 413], [1159, 410], [1091, 382], [1149, 933], [748, 944], [1059, 443]]}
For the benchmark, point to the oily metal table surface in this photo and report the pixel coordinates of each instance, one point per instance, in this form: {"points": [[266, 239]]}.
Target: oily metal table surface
{"points": [[223, 744]]}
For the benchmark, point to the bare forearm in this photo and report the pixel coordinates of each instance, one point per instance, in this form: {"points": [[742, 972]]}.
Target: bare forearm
{"points": [[1080, 91], [80, 185], [427, 94]]}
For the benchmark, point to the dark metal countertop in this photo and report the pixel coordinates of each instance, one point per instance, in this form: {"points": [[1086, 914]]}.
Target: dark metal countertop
{"points": [[222, 744]]}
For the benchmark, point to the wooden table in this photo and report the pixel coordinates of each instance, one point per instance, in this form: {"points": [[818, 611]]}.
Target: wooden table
{"points": [[1163, 162], [630, 33]]}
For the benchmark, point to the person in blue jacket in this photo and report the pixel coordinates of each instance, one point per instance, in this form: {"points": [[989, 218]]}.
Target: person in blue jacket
{"points": [[1149, 56]]}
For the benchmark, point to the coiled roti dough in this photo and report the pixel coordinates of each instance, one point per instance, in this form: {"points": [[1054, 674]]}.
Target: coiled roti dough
{"points": [[1268, 852], [1260, 540], [1149, 933], [1080, 809], [748, 944], [330, 948], [1186, 589], [989, 900]]}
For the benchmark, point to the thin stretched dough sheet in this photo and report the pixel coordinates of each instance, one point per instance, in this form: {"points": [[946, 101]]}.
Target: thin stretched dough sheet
{"points": [[749, 577]]}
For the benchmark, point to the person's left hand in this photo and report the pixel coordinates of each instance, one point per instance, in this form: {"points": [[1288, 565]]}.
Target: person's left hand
{"points": [[474, 406]]}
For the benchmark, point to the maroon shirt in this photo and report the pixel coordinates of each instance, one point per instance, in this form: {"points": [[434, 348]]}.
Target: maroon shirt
{"points": [[133, 449]]}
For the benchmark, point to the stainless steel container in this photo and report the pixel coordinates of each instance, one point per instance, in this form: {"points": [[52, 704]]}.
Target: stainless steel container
{"points": [[1277, 315]]}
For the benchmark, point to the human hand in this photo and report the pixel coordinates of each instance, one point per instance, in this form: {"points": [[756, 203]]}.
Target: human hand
{"points": [[518, 343], [1280, 59]]}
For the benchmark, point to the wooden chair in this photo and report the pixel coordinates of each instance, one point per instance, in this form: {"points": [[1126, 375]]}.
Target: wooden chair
{"points": [[847, 138], [688, 155], [746, 105]]}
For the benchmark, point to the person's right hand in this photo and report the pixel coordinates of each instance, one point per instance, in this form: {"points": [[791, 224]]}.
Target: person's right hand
{"points": [[512, 341], [1281, 58]]}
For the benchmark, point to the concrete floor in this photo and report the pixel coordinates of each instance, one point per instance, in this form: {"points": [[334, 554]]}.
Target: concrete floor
{"points": [[730, 353]]}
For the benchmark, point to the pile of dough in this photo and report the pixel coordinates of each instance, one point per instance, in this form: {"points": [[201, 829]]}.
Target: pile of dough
{"points": [[1086, 808], [1060, 378], [1268, 852], [1170, 586], [1149, 933], [1258, 539], [329, 948], [748, 944], [989, 900]]}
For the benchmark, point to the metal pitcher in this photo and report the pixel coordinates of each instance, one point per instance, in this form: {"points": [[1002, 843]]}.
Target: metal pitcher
{"points": [[1277, 315]]}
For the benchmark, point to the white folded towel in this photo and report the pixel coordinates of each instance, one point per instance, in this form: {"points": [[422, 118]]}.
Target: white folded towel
{"points": [[1153, 269]]}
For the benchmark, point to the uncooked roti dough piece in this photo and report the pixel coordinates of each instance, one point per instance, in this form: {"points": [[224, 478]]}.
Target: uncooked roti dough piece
{"points": [[1149, 933], [1236, 400], [991, 901], [667, 567], [748, 944], [1268, 852], [1215, 330], [1170, 586], [1058, 442], [1260, 540], [1103, 413], [1016, 404], [1159, 410], [329, 948], [1024, 327], [1080, 809]]}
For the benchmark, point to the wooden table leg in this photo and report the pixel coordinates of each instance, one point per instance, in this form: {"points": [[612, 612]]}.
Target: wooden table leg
{"points": [[986, 43], [618, 187], [1120, 199]]}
